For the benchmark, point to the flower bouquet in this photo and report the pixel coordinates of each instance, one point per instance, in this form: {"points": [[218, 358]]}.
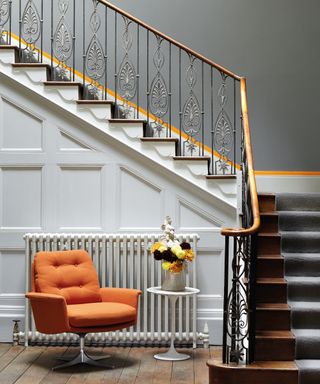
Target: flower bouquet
{"points": [[174, 256]]}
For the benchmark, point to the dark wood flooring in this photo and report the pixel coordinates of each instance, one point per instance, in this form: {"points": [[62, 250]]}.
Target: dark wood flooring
{"points": [[33, 365]]}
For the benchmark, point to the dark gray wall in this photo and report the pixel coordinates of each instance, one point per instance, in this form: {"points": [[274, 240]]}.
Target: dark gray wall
{"points": [[275, 44]]}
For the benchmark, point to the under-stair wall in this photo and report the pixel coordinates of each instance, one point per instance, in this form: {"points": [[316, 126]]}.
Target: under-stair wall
{"points": [[61, 174]]}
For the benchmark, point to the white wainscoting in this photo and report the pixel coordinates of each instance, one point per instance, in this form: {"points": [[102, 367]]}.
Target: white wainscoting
{"points": [[60, 174]]}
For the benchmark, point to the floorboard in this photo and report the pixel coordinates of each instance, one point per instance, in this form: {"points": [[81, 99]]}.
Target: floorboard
{"points": [[33, 365]]}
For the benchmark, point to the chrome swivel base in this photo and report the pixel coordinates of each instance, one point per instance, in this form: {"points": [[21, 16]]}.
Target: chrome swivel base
{"points": [[83, 358]]}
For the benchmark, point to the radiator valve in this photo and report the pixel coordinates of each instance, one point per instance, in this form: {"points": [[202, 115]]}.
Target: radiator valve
{"points": [[16, 332]]}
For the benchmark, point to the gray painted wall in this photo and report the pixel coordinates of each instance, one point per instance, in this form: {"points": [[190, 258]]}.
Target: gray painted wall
{"points": [[275, 44]]}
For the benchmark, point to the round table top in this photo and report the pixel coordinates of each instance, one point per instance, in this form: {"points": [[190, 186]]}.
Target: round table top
{"points": [[187, 291]]}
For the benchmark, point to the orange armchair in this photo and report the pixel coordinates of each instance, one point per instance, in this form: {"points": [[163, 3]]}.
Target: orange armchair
{"points": [[66, 297]]}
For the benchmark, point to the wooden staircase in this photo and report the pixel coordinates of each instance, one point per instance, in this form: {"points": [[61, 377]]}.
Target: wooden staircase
{"points": [[275, 343]]}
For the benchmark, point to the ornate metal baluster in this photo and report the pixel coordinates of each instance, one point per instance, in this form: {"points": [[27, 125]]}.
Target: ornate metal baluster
{"points": [[191, 113], [159, 98], [62, 45], [237, 303], [95, 57], [30, 29], [127, 78], [223, 132], [5, 18]]}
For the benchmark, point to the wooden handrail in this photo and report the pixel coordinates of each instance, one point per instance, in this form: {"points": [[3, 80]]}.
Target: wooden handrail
{"points": [[171, 40], [252, 181]]}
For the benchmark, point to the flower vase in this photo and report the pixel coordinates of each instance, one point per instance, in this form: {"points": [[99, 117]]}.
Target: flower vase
{"points": [[174, 281]]}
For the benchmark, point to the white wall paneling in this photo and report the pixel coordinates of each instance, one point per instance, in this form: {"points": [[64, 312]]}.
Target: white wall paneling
{"points": [[21, 198], [141, 203], [80, 198], [77, 178], [21, 129]]}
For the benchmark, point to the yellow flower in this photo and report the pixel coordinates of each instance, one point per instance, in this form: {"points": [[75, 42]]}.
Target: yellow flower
{"points": [[181, 254], [175, 249], [158, 247], [166, 265], [189, 255], [162, 248]]}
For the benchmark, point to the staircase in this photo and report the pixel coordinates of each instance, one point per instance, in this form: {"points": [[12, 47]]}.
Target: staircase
{"points": [[274, 341], [299, 222], [185, 115]]}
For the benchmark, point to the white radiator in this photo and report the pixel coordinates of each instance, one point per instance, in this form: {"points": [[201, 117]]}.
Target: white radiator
{"points": [[121, 261]]}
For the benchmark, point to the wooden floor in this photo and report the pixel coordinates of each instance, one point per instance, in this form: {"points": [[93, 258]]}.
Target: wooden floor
{"points": [[33, 365]]}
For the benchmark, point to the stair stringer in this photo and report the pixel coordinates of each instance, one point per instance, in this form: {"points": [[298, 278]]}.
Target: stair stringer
{"points": [[127, 133]]}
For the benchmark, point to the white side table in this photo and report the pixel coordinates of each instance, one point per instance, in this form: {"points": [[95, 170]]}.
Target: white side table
{"points": [[172, 354]]}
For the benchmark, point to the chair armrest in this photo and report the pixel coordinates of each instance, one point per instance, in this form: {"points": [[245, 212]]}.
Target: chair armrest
{"points": [[49, 312], [121, 295]]}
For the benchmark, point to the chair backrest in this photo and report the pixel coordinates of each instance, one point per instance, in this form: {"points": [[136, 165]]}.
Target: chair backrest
{"points": [[67, 273]]}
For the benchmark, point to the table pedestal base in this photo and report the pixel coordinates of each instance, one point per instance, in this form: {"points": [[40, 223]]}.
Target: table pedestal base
{"points": [[171, 355]]}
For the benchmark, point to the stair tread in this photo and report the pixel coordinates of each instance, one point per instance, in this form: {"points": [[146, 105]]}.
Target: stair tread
{"points": [[63, 83], [261, 365], [309, 364], [273, 306], [301, 254], [160, 139], [196, 158], [308, 305], [300, 234], [269, 234], [271, 280], [271, 256], [299, 213], [220, 177], [271, 213], [95, 102], [127, 121], [274, 335], [31, 65], [4, 46], [304, 279], [307, 333]]}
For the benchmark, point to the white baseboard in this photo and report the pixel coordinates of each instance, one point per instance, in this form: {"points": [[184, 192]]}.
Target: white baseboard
{"points": [[290, 183]]}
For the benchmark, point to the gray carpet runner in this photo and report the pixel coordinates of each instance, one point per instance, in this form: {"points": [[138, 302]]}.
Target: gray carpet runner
{"points": [[299, 223]]}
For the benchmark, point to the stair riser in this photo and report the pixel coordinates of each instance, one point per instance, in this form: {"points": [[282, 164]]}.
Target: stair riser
{"points": [[273, 320], [300, 223], [300, 245], [271, 293], [302, 267], [304, 292], [305, 319], [309, 377], [267, 203], [252, 376], [303, 202], [308, 349], [269, 224], [275, 349], [270, 267], [268, 245]]}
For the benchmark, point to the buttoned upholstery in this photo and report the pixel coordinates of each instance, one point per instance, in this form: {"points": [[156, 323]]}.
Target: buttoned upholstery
{"points": [[73, 277]]}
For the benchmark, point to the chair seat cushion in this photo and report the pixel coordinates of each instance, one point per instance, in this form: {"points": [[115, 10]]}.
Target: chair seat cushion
{"points": [[100, 314]]}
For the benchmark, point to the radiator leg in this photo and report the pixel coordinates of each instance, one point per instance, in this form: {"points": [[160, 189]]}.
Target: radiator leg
{"points": [[206, 336], [83, 358]]}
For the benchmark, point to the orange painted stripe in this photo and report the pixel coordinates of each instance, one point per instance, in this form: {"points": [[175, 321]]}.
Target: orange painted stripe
{"points": [[144, 112], [287, 173]]}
